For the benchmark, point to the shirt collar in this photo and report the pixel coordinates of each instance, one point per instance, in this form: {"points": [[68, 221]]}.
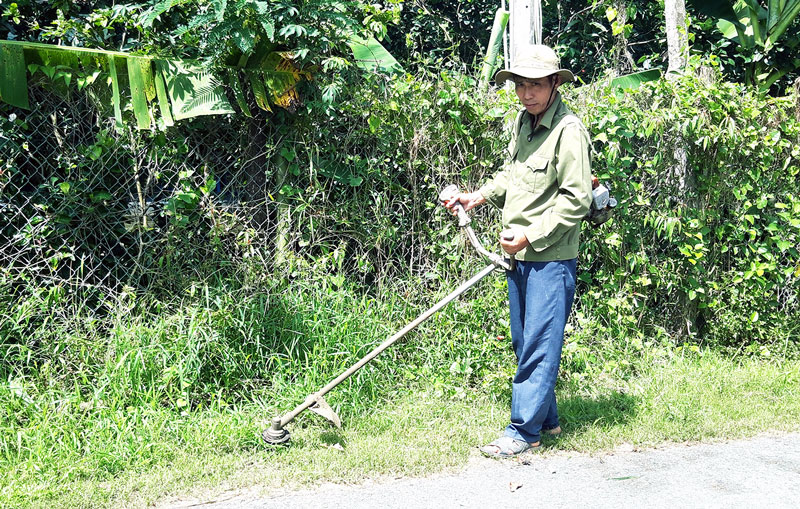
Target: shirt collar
{"points": [[547, 116]]}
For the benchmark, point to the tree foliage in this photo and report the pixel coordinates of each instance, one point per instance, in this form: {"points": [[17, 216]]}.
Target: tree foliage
{"points": [[728, 243], [219, 31], [272, 40], [761, 32]]}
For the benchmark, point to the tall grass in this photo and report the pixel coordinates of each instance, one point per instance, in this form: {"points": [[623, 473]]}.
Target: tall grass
{"points": [[90, 398], [157, 392]]}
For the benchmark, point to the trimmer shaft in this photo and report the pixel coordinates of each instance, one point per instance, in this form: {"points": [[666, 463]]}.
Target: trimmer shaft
{"points": [[315, 402]]}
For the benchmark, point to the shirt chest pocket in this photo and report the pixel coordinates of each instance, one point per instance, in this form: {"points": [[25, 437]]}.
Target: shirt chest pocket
{"points": [[532, 173]]}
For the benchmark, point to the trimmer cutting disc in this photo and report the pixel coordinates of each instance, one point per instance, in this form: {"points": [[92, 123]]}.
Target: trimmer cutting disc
{"points": [[275, 434]]}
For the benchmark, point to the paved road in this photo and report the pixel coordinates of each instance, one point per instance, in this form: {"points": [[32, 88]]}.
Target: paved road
{"points": [[755, 473]]}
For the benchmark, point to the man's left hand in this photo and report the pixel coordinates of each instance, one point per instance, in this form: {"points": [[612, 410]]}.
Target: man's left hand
{"points": [[517, 243]]}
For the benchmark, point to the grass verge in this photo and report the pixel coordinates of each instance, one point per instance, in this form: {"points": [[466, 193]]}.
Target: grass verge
{"points": [[416, 431]]}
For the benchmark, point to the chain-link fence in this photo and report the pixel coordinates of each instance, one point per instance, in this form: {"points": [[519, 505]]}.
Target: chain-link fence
{"points": [[90, 210], [85, 206]]}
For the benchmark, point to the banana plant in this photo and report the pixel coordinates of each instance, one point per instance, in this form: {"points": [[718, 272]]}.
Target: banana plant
{"points": [[759, 28], [175, 89], [154, 87], [269, 46]]}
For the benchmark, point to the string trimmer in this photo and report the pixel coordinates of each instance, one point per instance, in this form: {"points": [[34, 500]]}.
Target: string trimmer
{"points": [[277, 434]]}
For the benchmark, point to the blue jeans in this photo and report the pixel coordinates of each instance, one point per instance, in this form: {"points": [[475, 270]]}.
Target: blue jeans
{"points": [[540, 296]]}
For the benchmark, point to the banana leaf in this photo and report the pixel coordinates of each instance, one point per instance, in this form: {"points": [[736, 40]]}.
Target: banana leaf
{"points": [[370, 55], [281, 77], [495, 45], [233, 80], [112, 72], [59, 58], [163, 100], [13, 79], [781, 16], [634, 80], [257, 84], [723, 11], [139, 74], [182, 89]]}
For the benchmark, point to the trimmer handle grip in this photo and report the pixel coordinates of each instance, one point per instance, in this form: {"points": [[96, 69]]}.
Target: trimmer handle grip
{"points": [[445, 195], [509, 235]]}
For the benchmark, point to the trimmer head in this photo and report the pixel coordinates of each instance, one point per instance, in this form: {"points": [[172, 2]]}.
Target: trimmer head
{"points": [[275, 434]]}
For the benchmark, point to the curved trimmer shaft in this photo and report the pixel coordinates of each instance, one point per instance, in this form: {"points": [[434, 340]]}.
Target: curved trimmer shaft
{"points": [[276, 434], [464, 222]]}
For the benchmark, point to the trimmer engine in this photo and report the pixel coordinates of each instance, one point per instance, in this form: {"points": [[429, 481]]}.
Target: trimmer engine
{"points": [[603, 204]]}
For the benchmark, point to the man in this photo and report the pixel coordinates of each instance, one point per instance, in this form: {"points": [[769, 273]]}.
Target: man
{"points": [[544, 191]]}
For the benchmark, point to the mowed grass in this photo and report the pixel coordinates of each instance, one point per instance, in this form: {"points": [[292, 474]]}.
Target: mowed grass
{"points": [[413, 430]]}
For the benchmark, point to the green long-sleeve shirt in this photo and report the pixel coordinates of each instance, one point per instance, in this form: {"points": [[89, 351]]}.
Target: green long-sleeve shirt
{"points": [[545, 188]]}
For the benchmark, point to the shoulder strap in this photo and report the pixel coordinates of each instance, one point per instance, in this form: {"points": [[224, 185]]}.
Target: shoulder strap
{"points": [[512, 144], [573, 119], [518, 122]]}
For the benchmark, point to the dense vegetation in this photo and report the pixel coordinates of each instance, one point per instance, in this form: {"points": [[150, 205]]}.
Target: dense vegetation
{"points": [[228, 323]]}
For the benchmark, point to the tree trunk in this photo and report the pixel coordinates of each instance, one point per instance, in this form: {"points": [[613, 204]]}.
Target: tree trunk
{"points": [[677, 36], [681, 179], [623, 60], [677, 49]]}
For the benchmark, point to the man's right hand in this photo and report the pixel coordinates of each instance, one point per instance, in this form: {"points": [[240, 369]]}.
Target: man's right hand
{"points": [[467, 200]]}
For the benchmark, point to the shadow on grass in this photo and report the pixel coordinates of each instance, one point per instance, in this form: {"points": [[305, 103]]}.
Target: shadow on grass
{"points": [[578, 414], [333, 438]]}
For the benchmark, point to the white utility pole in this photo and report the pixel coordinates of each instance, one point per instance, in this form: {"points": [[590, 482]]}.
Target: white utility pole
{"points": [[524, 25]]}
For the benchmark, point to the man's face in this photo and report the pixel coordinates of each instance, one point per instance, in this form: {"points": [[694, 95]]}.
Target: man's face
{"points": [[535, 94]]}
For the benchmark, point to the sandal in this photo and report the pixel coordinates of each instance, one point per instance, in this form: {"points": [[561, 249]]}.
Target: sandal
{"points": [[552, 431], [507, 447]]}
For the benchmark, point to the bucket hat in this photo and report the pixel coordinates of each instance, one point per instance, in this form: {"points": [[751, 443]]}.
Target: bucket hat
{"points": [[536, 61]]}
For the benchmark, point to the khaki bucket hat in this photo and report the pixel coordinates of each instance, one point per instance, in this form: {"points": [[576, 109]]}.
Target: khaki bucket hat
{"points": [[537, 61]]}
